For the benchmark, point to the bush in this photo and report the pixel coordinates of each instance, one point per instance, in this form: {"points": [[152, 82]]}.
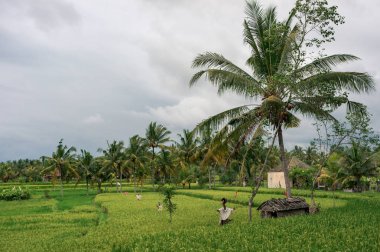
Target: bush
{"points": [[16, 193], [168, 192]]}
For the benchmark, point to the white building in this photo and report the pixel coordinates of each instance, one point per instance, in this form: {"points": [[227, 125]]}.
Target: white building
{"points": [[276, 176]]}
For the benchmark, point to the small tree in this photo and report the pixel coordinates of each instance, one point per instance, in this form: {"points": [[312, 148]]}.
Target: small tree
{"points": [[169, 192]]}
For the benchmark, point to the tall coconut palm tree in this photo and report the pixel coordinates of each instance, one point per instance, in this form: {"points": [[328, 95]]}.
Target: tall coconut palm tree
{"points": [[282, 88], [61, 163], [156, 136], [136, 157], [114, 158]]}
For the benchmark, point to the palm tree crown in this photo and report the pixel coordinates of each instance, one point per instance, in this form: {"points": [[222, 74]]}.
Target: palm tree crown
{"points": [[283, 87]]}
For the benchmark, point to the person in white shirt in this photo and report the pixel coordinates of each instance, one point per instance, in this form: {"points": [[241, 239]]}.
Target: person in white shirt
{"points": [[159, 207], [224, 212]]}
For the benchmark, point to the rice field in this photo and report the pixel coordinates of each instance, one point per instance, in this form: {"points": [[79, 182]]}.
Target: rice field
{"points": [[118, 222]]}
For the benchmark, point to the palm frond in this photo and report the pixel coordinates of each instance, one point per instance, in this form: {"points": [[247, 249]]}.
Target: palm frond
{"points": [[286, 48], [356, 107], [291, 121], [218, 120], [326, 63], [351, 81], [233, 82], [256, 60], [309, 110], [214, 60]]}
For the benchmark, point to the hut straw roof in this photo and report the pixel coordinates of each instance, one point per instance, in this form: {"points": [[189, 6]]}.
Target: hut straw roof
{"points": [[292, 163], [275, 205]]}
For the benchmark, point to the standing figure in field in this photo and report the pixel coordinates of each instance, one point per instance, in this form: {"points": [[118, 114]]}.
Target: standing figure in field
{"points": [[224, 212], [159, 206], [118, 187]]}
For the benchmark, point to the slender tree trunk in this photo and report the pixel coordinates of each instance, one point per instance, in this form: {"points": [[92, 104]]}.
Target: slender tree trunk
{"points": [[334, 196], [209, 177], [153, 167], [358, 185], [257, 180], [213, 177], [134, 178], [60, 177], [87, 183], [284, 163], [313, 185], [99, 185], [121, 179]]}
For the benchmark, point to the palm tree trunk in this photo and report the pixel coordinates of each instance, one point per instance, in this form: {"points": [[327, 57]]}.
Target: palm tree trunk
{"points": [[134, 178], [99, 185], [209, 177], [87, 183], [333, 193], [213, 177], [284, 163], [121, 179], [60, 178], [152, 167]]}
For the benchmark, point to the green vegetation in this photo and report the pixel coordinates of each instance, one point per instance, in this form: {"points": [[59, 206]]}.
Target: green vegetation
{"points": [[101, 222], [15, 193], [235, 147], [168, 192]]}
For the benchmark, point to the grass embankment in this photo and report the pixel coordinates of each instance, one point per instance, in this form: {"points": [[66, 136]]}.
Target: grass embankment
{"points": [[87, 223]]}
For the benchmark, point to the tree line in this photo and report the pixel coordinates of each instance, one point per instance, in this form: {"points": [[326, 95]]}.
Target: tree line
{"points": [[288, 75], [157, 159]]}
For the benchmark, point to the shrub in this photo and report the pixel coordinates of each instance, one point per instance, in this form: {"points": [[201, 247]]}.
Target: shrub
{"points": [[168, 192], [16, 193]]}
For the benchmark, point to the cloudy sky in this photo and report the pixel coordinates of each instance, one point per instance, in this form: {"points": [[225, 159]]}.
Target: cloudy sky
{"points": [[90, 71]]}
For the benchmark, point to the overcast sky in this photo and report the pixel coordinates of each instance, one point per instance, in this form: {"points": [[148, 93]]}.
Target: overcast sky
{"points": [[90, 71]]}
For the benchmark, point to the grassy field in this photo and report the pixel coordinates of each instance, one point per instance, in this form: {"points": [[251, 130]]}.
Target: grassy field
{"points": [[110, 221]]}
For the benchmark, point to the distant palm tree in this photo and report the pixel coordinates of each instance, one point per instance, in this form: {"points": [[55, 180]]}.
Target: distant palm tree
{"points": [[61, 163], [281, 87], [357, 163], [332, 173], [186, 153], [85, 160], [213, 153], [165, 165], [136, 157], [114, 158], [98, 172], [187, 146], [156, 136]]}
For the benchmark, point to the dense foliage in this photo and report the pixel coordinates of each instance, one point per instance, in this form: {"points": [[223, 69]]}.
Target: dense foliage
{"points": [[15, 193]]}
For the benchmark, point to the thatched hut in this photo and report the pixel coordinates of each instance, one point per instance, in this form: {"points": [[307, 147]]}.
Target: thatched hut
{"points": [[283, 207]]}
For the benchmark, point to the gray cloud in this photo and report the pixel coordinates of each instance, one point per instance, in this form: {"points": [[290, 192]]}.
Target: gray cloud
{"points": [[91, 70]]}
